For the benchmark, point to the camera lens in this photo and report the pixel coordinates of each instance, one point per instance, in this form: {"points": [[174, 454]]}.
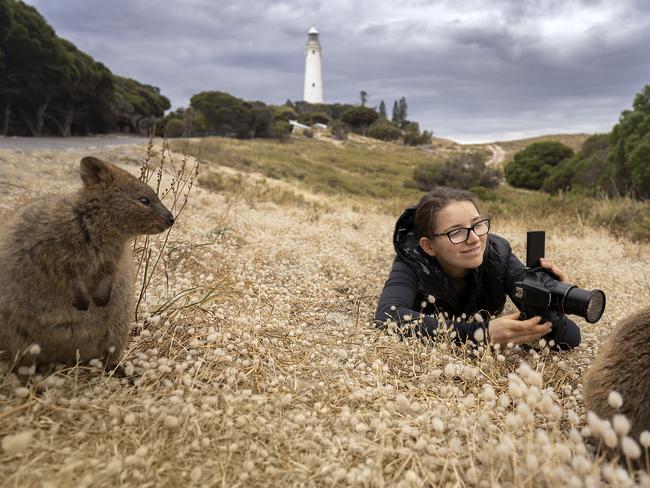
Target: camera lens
{"points": [[595, 307], [587, 304]]}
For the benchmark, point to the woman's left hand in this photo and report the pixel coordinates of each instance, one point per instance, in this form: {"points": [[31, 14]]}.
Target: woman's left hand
{"points": [[553, 268]]}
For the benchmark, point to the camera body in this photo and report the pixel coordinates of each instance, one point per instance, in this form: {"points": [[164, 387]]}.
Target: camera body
{"points": [[540, 291]]}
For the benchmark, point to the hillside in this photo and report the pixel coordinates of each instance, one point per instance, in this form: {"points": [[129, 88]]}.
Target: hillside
{"points": [[574, 141], [258, 363]]}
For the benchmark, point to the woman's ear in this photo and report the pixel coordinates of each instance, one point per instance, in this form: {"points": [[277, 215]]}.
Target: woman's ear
{"points": [[425, 244]]}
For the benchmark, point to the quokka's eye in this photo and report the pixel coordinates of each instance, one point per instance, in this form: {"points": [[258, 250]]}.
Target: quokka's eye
{"points": [[144, 200]]}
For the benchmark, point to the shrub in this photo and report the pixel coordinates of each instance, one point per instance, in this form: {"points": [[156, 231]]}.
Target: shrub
{"points": [[414, 138], [311, 118], [359, 118], [384, 130], [464, 170], [531, 166], [584, 170], [174, 128], [339, 130], [281, 129]]}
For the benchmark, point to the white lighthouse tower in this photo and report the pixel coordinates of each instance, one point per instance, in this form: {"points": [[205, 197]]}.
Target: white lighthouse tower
{"points": [[313, 80]]}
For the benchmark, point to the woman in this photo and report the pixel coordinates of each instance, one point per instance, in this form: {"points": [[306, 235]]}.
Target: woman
{"points": [[447, 262]]}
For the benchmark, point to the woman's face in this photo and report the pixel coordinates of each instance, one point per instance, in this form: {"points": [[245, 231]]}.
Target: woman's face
{"points": [[456, 259]]}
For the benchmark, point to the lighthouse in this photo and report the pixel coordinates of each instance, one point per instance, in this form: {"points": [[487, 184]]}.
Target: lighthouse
{"points": [[313, 79]]}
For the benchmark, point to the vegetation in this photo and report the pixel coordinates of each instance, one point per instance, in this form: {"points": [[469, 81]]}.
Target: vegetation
{"points": [[630, 152], [48, 86], [534, 164], [583, 171], [462, 170], [354, 168]]}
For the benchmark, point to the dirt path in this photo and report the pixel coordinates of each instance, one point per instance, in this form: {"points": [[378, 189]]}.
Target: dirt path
{"points": [[498, 155]]}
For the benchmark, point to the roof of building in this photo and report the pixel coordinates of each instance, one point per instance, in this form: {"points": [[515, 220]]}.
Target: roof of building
{"points": [[313, 30]]}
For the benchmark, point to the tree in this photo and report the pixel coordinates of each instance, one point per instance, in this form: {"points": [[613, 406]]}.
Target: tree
{"points": [[364, 97], [629, 167], [396, 118], [382, 110], [139, 106], [532, 165], [400, 112]]}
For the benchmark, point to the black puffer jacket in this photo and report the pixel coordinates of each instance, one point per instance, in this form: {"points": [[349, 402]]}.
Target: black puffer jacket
{"points": [[416, 277]]}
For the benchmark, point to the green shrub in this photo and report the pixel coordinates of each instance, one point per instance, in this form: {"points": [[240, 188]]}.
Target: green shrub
{"points": [[464, 170], [414, 138], [584, 170], [339, 130], [359, 118], [174, 128], [281, 129], [384, 130], [531, 166]]}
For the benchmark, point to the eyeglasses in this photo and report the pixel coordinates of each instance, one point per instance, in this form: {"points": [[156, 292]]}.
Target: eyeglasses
{"points": [[458, 236]]}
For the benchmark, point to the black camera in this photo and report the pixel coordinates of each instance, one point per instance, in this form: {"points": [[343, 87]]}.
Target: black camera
{"points": [[540, 291]]}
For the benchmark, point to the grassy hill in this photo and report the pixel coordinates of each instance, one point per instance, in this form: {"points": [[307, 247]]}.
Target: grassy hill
{"points": [[363, 170]]}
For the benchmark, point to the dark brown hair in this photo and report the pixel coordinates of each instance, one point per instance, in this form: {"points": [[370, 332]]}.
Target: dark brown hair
{"points": [[432, 202]]}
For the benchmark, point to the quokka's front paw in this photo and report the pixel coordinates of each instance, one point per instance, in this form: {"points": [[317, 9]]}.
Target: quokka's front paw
{"points": [[101, 301], [81, 301], [102, 297]]}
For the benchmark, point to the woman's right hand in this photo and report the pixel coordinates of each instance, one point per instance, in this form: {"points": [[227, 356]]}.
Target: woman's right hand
{"points": [[509, 329]]}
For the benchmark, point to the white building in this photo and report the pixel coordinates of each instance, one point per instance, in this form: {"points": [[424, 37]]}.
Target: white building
{"points": [[313, 92]]}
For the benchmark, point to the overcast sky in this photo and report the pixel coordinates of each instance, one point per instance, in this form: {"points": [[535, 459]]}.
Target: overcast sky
{"points": [[471, 70]]}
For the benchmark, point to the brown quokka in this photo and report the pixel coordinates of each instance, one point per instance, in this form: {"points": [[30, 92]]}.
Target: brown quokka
{"points": [[623, 365], [67, 280]]}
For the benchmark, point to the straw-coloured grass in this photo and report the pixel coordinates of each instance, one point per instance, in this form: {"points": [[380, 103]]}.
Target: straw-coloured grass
{"points": [[257, 363]]}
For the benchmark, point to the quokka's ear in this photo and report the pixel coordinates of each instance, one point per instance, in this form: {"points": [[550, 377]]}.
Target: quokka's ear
{"points": [[95, 172]]}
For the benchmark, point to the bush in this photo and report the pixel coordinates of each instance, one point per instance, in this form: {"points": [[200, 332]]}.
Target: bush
{"points": [[384, 130], [584, 170], [308, 133], [339, 130], [281, 129], [414, 138], [312, 118], [174, 128], [465, 170], [532, 165], [359, 118]]}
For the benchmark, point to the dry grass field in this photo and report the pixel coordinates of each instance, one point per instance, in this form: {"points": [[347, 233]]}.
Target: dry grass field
{"points": [[257, 364]]}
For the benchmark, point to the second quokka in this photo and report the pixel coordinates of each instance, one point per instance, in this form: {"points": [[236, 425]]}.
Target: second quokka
{"points": [[67, 285]]}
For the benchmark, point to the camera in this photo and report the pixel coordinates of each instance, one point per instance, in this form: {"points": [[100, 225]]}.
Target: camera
{"points": [[540, 291]]}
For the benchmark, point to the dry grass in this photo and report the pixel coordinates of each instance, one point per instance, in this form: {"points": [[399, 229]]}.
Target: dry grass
{"points": [[258, 364]]}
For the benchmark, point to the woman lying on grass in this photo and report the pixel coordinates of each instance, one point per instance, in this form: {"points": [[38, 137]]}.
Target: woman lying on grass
{"points": [[448, 267]]}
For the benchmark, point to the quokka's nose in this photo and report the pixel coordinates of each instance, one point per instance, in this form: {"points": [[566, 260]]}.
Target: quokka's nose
{"points": [[169, 218]]}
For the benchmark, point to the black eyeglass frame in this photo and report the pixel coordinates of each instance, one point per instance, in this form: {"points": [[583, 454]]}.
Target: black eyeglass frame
{"points": [[467, 229]]}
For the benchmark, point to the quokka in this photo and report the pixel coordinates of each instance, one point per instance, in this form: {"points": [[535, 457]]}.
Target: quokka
{"points": [[623, 365], [67, 279]]}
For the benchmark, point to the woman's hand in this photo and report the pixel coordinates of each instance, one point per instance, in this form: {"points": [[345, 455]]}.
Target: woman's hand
{"points": [[552, 267], [508, 328]]}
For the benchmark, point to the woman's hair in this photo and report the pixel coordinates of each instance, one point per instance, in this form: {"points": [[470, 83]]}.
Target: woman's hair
{"points": [[432, 202]]}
